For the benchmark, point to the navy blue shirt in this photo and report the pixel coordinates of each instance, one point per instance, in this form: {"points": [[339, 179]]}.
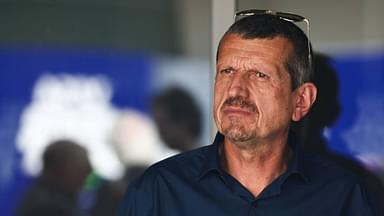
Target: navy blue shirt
{"points": [[193, 183]]}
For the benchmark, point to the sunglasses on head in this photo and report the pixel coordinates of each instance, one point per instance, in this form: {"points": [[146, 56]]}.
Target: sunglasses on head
{"points": [[290, 17]]}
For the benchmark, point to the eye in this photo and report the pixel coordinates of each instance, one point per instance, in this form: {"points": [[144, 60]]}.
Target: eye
{"points": [[227, 71], [261, 75], [258, 75]]}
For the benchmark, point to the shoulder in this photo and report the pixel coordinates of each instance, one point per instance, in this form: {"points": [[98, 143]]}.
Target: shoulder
{"points": [[176, 172], [186, 165], [324, 170], [43, 200], [336, 183]]}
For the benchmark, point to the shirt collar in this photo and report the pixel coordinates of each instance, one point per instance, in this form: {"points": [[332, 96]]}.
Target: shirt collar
{"points": [[296, 166], [212, 159]]}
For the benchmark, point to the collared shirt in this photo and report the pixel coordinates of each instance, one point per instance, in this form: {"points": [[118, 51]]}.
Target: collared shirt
{"points": [[194, 183]]}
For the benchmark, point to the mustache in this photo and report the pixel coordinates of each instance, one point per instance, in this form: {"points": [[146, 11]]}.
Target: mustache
{"points": [[241, 102]]}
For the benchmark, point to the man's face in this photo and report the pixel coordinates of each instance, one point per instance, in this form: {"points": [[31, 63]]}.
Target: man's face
{"points": [[253, 100]]}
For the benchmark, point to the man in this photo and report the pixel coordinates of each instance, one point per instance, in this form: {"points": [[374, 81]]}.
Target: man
{"points": [[254, 166], [65, 168], [177, 117]]}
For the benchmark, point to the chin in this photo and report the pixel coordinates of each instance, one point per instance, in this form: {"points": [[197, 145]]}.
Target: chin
{"points": [[237, 134]]}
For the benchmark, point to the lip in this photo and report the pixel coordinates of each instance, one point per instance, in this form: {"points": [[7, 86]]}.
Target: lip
{"points": [[236, 111]]}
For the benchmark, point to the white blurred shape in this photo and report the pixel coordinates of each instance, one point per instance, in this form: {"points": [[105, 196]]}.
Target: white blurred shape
{"points": [[366, 137], [136, 140], [73, 107], [373, 162]]}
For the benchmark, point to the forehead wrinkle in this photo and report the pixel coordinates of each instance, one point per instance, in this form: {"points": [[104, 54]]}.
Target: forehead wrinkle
{"points": [[238, 62], [247, 63], [247, 51]]}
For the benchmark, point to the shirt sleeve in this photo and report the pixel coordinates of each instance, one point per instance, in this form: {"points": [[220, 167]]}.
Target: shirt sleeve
{"points": [[358, 203]]}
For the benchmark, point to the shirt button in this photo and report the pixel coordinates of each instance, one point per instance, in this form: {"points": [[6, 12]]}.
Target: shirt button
{"points": [[252, 210], [254, 204]]}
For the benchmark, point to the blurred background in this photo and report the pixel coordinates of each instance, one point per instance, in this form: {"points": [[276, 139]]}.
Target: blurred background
{"points": [[102, 74]]}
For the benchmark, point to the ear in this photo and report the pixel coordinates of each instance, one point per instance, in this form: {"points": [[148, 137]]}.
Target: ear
{"points": [[304, 99]]}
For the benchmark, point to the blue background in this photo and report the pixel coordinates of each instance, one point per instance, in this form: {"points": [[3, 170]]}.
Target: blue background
{"points": [[21, 67], [130, 75]]}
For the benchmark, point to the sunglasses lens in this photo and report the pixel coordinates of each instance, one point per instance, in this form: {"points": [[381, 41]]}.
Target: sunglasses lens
{"points": [[290, 17]]}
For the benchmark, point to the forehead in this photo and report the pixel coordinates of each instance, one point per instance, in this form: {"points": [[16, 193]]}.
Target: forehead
{"points": [[275, 49]]}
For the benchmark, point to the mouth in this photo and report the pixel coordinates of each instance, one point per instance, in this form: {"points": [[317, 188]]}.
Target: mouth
{"points": [[236, 111], [238, 105]]}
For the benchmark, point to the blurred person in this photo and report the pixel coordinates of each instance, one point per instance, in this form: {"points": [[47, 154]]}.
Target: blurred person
{"points": [[178, 118], [101, 196], [137, 144], [65, 168], [255, 165], [324, 114]]}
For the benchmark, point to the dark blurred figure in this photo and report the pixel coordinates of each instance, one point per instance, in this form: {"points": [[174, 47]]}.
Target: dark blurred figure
{"points": [[54, 193], [178, 118], [323, 114], [325, 110], [105, 197]]}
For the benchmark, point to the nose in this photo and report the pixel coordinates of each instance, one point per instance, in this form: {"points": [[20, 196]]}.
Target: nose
{"points": [[239, 86]]}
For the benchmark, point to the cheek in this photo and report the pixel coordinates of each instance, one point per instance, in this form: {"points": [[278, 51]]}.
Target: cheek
{"points": [[282, 106], [216, 107], [219, 96], [219, 92], [272, 102]]}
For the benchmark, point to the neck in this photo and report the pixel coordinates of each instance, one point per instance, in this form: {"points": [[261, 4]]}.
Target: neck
{"points": [[255, 168]]}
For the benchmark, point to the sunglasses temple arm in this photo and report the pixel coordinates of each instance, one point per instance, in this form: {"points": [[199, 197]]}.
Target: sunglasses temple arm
{"points": [[309, 45]]}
